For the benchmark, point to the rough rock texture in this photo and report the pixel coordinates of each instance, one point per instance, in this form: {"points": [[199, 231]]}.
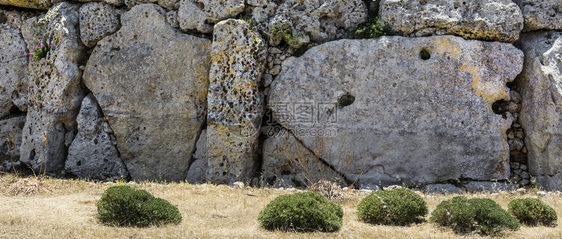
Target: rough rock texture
{"points": [[201, 15], [198, 168], [496, 20], [92, 153], [112, 2], [10, 138], [13, 64], [151, 83], [34, 4], [97, 20], [169, 4], [443, 189], [541, 14], [322, 20], [55, 88], [286, 162], [411, 120], [475, 186], [235, 103], [540, 86]]}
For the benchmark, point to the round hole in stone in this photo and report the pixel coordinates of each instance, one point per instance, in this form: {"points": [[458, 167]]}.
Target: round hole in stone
{"points": [[79, 163], [424, 54], [345, 100]]}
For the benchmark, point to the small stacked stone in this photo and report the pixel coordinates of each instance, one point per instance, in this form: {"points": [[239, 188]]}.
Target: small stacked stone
{"points": [[516, 141], [273, 67]]}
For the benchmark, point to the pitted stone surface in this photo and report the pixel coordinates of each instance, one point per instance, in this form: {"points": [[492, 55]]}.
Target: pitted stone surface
{"points": [[415, 121], [495, 20], [540, 86], [322, 20], [97, 20], [34, 4], [112, 2], [201, 15], [541, 14], [55, 87], [151, 83], [92, 153], [235, 103], [10, 138], [13, 64]]}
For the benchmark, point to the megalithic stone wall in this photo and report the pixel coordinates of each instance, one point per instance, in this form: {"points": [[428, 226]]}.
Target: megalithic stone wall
{"points": [[177, 91]]}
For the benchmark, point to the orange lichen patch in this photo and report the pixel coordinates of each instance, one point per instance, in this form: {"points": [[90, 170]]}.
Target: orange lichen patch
{"points": [[489, 90], [445, 45]]}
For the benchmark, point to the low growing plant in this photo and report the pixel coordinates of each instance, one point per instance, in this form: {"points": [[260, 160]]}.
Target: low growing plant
{"points": [[372, 28], [294, 41], [532, 211], [480, 215], [39, 52], [125, 206], [302, 212], [399, 206]]}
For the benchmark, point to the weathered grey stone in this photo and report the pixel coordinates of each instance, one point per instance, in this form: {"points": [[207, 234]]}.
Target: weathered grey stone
{"points": [[200, 15], [34, 4], [235, 103], [541, 14], [475, 186], [540, 86], [172, 19], [414, 121], [13, 64], [496, 20], [92, 153], [151, 83], [169, 4], [112, 2], [10, 138], [97, 20], [55, 87], [287, 163], [443, 189], [198, 168], [322, 20]]}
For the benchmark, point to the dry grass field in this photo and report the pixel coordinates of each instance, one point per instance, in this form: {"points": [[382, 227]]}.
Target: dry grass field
{"points": [[67, 209]]}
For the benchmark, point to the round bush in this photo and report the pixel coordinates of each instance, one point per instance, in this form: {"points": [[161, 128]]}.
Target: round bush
{"points": [[125, 206], [303, 212], [481, 215], [400, 206], [532, 211]]}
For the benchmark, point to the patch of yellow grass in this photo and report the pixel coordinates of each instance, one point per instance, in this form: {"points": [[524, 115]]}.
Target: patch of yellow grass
{"points": [[68, 210]]}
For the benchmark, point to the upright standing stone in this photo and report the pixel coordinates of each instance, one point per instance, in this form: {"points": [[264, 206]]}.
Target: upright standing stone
{"points": [[92, 153], [151, 82], [235, 103], [408, 110], [540, 86], [55, 87]]}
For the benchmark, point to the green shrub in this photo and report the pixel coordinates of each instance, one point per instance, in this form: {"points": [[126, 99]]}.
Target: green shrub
{"points": [[481, 215], [125, 206], [372, 28], [303, 212], [532, 211], [400, 206]]}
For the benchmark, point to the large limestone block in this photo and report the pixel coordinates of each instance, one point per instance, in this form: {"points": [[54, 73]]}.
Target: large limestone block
{"points": [[13, 64], [92, 153], [10, 138], [495, 20], [540, 86], [55, 87], [34, 4], [201, 15], [151, 83], [403, 118], [97, 20], [235, 103], [198, 168], [322, 20], [287, 162], [541, 14]]}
